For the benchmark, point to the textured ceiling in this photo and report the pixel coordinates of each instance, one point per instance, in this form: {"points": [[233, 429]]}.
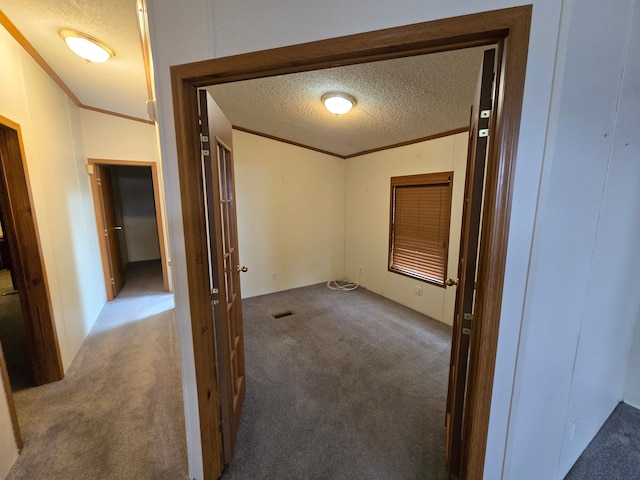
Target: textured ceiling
{"points": [[398, 101], [118, 85]]}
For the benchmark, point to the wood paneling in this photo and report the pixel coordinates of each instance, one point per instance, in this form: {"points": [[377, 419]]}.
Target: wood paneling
{"points": [[509, 28]]}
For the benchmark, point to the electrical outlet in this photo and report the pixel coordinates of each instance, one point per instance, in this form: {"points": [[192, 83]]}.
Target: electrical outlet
{"points": [[418, 290]]}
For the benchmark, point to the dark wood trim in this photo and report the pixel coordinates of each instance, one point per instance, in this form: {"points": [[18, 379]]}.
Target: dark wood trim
{"points": [[100, 220], [24, 43], [358, 154], [435, 136], [29, 272], [503, 150], [10, 403], [288, 142], [510, 27], [185, 103]]}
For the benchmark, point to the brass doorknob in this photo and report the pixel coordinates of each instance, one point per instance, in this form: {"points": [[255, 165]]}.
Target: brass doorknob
{"points": [[242, 268], [451, 282]]}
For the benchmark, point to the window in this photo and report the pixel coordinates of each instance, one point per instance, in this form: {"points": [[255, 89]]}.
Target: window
{"points": [[419, 226]]}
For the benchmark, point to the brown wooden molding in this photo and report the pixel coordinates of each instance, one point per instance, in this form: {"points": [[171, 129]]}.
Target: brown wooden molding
{"points": [[357, 154], [24, 43], [288, 142], [185, 100], [22, 233], [435, 136], [159, 217], [509, 28]]}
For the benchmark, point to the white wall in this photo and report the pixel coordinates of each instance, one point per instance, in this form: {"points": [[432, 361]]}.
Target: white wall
{"points": [[136, 141], [51, 129], [367, 220], [114, 138], [290, 208], [582, 299], [217, 27], [58, 137], [298, 210], [138, 210]]}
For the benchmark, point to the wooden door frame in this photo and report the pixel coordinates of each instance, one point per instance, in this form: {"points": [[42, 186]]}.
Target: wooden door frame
{"points": [[509, 28], [30, 274], [97, 199]]}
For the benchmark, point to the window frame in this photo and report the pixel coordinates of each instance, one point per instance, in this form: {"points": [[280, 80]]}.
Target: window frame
{"points": [[437, 179]]}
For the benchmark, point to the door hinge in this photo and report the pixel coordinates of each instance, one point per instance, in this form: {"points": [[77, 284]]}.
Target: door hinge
{"points": [[106, 232], [468, 317], [214, 291], [113, 281]]}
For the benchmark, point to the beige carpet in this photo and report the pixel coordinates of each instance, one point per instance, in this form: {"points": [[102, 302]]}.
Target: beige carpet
{"points": [[118, 413]]}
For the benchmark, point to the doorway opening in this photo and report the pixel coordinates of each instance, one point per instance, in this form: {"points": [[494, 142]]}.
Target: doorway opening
{"points": [[128, 217], [509, 29], [25, 265]]}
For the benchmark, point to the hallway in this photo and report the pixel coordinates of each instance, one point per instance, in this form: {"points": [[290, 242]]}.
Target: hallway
{"points": [[118, 413]]}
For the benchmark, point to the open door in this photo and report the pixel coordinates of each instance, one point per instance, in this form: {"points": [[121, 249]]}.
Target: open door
{"points": [[467, 265], [110, 240], [224, 265]]}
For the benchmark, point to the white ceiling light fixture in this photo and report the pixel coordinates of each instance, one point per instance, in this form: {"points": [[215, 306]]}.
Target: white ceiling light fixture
{"points": [[87, 47], [338, 103]]}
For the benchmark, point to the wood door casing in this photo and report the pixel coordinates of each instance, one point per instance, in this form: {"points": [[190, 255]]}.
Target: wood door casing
{"points": [[464, 319], [511, 27], [111, 230], [94, 163], [226, 302], [29, 274]]}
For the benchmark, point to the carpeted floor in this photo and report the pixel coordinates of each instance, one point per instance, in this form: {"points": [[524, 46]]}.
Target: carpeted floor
{"points": [[614, 453], [351, 386], [118, 413]]}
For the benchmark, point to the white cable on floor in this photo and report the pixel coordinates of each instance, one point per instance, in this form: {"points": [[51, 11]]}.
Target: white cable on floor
{"points": [[342, 285]]}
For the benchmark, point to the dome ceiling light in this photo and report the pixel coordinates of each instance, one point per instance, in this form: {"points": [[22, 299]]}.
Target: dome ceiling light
{"points": [[338, 103], [87, 47]]}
